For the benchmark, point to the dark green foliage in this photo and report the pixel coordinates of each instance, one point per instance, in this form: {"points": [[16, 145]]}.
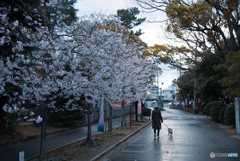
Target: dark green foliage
{"points": [[129, 19], [208, 86], [146, 112], [212, 104], [196, 110], [67, 8], [229, 115], [231, 69], [221, 115], [66, 118], [215, 113], [186, 85]]}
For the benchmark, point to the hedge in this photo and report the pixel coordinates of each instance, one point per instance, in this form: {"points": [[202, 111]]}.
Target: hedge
{"points": [[196, 110], [66, 118], [213, 104], [215, 113], [221, 115], [146, 112], [229, 115]]}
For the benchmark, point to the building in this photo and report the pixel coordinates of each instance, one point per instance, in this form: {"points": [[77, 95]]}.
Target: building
{"points": [[152, 92], [169, 94]]}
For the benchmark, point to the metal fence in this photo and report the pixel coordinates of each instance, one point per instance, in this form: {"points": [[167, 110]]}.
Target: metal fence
{"points": [[115, 113]]}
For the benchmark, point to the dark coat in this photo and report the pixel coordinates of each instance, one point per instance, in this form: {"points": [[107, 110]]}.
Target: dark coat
{"points": [[156, 119]]}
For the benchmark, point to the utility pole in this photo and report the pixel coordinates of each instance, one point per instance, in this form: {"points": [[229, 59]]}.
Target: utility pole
{"points": [[157, 85], [195, 82], [180, 83], [194, 92], [161, 96], [158, 101]]}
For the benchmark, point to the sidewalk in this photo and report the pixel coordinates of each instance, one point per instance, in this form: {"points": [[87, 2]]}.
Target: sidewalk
{"points": [[31, 149]]}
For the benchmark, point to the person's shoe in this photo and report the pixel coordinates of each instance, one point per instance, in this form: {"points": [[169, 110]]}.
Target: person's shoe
{"points": [[154, 135]]}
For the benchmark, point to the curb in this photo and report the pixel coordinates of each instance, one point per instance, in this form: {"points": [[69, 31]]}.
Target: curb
{"points": [[118, 143], [29, 138]]}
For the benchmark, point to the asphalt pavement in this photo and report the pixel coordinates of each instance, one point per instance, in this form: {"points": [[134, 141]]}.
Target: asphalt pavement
{"points": [[32, 148], [194, 139]]}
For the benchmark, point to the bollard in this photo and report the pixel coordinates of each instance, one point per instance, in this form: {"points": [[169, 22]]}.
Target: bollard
{"points": [[237, 104], [21, 156]]}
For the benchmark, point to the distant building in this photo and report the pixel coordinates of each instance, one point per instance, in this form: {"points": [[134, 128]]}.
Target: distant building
{"points": [[153, 92], [169, 94]]}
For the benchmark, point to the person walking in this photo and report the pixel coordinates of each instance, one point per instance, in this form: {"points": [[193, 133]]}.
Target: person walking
{"points": [[156, 120]]}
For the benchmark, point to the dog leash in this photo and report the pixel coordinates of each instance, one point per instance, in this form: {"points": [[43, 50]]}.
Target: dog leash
{"points": [[165, 125]]}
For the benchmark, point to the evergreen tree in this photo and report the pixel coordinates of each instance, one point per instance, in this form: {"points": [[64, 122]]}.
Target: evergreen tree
{"points": [[128, 19]]}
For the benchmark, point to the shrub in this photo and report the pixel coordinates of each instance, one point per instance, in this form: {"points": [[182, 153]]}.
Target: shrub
{"points": [[221, 115], [212, 104], [215, 112], [196, 110], [229, 115], [65, 118], [146, 112]]}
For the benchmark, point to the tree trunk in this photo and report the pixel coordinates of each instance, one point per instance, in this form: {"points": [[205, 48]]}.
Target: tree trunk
{"points": [[106, 114], [89, 139], [124, 115], [3, 121], [110, 119], [43, 133], [2, 125], [130, 123], [136, 110], [232, 44], [141, 111]]}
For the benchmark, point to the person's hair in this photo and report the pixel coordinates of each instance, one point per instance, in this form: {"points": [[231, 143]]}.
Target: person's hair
{"points": [[156, 107]]}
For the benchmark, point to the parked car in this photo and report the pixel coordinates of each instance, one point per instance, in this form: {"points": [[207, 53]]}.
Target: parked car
{"points": [[182, 104]]}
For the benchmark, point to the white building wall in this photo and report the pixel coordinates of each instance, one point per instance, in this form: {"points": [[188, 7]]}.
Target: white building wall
{"points": [[169, 94]]}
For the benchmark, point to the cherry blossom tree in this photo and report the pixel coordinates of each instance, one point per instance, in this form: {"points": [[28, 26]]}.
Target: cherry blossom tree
{"points": [[69, 61], [37, 75]]}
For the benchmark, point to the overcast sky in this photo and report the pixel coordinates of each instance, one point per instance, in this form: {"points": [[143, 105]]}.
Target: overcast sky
{"points": [[153, 32]]}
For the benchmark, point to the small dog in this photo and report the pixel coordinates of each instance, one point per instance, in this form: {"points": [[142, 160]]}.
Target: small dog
{"points": [[170, 132]]}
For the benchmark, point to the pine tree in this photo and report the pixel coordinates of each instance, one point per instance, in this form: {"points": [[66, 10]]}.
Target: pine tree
{"points": [[129, 19]]}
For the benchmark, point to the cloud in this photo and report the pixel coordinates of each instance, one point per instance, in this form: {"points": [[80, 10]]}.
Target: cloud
{"points": [[87, 7]]}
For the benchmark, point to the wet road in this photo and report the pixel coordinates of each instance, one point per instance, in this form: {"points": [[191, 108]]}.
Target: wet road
{"points": [[194, 138]]}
